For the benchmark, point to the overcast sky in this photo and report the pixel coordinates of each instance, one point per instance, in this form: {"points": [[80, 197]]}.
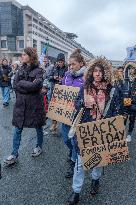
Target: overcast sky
{"points": [[104, 27]]}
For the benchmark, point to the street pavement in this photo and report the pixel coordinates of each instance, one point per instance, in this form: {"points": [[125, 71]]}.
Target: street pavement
{"points": [[41, 181]]}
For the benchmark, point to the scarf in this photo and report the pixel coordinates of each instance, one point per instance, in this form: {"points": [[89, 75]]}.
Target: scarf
{"points": [[78, 73], [95, 99]]}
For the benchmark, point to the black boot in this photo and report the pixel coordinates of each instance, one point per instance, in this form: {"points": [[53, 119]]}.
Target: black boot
{"points": [[70, 172], [73, 199], [94, 187], [69, 156]]}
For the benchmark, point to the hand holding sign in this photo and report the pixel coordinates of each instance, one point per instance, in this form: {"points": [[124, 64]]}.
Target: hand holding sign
{"points": [[102, 142], [61, 107]]}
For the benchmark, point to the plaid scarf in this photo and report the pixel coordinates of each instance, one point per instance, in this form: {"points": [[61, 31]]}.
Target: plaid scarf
{"points": [[95, 99]]}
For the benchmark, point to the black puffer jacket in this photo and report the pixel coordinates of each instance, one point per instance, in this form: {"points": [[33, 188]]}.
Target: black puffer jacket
{"points": [[29, 107], [5, 80], [57, 72]]}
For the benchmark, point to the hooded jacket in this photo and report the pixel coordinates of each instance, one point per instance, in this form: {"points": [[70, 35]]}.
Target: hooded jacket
{"points": [[128, 90]]}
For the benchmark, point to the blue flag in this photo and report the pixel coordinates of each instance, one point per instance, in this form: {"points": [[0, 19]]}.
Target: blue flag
{"points": [[44, 53]]}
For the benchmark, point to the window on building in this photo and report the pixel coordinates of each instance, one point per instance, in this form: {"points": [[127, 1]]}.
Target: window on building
{"points": [[11, 42], [40, 24], [35, 20], [21, 43], [3, 44]]}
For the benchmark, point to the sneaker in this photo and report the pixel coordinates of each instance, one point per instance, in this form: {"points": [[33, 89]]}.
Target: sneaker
{"points": [[45, 133], [73, 199], [5, 104], [94, 187], [128, 139], [11, 160], [36, 152]]}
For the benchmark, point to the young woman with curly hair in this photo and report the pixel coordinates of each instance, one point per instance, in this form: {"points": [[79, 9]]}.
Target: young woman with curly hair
{"points": [[93, 97]]}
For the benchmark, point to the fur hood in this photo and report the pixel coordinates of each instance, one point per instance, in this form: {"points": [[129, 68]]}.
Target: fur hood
{"points": [[127, 66], [107, 68]]}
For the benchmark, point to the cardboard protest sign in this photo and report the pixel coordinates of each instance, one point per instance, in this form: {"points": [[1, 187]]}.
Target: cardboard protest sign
{"points": [[102, 142], [61, 107]]}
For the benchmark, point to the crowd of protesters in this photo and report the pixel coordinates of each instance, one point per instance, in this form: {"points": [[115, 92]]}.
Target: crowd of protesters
{"points": [[33, 85]]}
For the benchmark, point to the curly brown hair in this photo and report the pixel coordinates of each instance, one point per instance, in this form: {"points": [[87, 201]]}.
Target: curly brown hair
{"points": [[106, 69], [32, 53]]}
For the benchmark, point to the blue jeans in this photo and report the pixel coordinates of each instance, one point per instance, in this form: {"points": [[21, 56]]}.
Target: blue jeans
{"points": [[5, 94], [50, 91], [69, 142], [78, 178], [17, 139]]}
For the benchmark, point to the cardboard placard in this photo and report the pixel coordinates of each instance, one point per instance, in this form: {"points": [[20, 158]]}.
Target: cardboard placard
{"points": [[61, 107], [102, 142]]}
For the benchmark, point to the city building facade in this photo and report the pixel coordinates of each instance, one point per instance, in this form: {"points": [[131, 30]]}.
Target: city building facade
{"points": [[21, 26]]}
